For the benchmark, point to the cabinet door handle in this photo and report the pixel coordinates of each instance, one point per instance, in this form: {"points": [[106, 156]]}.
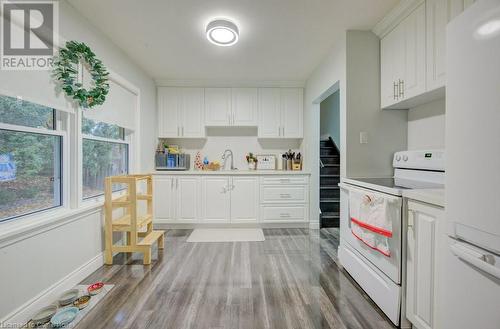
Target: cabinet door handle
{"points": [[182, 131], [395, 90], [411, 219], [401, 87], [284, 215], [178, 134]]}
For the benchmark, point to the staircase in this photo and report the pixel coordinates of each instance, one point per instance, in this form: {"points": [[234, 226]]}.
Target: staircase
{"points": [[329, 195]]}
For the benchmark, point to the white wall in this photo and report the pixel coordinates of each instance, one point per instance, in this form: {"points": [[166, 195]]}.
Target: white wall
{"points": [[387, 130], [36, 260], [353, 64], [331, 72], [426, 126], [240, 140]]}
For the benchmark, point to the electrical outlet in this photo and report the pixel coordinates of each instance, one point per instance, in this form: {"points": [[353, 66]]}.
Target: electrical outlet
{"points": [[363, 137]]}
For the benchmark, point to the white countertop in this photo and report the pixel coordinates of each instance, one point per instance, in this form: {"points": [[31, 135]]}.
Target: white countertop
{"points": [[231, 172], [431, 196]]}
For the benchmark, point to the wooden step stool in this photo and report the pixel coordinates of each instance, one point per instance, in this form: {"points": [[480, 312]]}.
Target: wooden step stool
{"points": [[130, 222]]}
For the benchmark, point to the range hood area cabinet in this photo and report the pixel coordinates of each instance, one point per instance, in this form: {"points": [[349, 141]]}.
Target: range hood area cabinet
{"points": [[181, 112], [281, 113], [231, 107], [412, 51], [185, 112]]}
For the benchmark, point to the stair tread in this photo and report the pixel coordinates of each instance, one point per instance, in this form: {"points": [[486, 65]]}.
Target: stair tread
{"points": [[329, 200], [330, 215], [125, 221], [330, 187], [327, 175], [329, 156], [331, 164], [151, 238]]}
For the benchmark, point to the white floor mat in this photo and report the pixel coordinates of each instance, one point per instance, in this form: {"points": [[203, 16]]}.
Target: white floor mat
{"points": [[226, 235]]}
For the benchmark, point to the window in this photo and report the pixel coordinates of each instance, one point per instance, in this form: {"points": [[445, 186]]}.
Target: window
{"points": [[30, 158], [105, 153]]}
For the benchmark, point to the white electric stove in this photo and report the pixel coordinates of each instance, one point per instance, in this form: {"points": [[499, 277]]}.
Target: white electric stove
{"points": [[381, 276]]}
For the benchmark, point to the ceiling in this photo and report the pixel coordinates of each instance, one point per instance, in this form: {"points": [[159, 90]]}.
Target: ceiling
{"points": [[280, 40]]}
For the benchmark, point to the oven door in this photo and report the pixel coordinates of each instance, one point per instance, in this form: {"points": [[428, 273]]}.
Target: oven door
{"points": [[389, 265]]}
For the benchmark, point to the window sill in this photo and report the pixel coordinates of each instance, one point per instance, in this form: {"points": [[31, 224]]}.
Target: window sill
{"points": [[23, 228]]}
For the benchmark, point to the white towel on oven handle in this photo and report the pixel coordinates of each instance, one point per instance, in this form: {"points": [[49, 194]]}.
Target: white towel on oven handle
{"points": [[371, 219]]}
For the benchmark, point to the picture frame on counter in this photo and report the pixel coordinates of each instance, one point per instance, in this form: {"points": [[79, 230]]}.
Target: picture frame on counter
{"points": [[266, 162]]}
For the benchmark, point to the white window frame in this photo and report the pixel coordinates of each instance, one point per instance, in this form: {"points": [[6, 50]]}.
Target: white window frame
{"points": [[127, 140], [60, 131]]}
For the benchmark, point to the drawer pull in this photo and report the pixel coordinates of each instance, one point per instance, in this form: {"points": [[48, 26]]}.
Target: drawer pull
{"points": [[284, 180], [285, 195], [284, 215]]}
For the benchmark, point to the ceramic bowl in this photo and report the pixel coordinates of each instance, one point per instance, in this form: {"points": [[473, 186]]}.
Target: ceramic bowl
{"points": [[44, 315], [82, 302], [68, 297], [64, 316], [95, 288]]}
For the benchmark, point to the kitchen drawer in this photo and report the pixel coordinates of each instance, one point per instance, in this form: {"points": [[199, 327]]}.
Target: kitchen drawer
{"points": [[284, 180], [283, 213], [282, 194]]}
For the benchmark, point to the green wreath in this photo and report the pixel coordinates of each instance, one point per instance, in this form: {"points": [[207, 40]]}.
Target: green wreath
{"points": [[66, 72]]}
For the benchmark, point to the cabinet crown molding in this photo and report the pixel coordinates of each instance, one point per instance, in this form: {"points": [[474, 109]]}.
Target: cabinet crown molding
{"points": [[229, 83], [395, 16]]}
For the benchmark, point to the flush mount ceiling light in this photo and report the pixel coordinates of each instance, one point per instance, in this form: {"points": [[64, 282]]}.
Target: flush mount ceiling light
{"points": [[489, 28], [222, 32]]}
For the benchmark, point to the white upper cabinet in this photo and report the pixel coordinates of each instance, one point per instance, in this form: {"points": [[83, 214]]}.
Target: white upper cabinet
{"points": [[217, 106], [281, 112], [413, 75], [292, 104], [231, 106], [244, 106], [169, 121], [403, 60], [412, 51], [185, 112], [438, 14], [180, 112], [269, 112]]}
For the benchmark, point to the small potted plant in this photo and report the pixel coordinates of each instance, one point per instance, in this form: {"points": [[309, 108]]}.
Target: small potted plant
{"points": [[252, 161]]}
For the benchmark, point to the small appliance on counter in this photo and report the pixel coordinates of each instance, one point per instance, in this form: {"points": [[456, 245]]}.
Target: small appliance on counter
{"points": [[171, 158]]}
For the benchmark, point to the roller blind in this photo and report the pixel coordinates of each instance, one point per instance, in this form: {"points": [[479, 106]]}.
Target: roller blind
{"points": [[119, 108], [36, 87]]}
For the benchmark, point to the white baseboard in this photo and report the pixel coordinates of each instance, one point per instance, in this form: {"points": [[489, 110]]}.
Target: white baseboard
{"points": [[314, 225], [159, 224], [24, 313]]}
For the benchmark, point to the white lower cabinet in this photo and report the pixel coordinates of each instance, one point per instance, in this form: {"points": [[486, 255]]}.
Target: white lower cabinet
{"points": [[176, 198], [244, 199], [421, 264], [284, 199], [230, 199], [215, 199], [164, 197], [220, 199]]}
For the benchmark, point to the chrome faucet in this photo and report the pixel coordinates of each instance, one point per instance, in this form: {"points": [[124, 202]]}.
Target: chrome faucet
{"points": [[225, 156]]}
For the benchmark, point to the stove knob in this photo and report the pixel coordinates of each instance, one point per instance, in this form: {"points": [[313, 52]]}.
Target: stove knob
{"points": [[398, 157], [405, 158]]}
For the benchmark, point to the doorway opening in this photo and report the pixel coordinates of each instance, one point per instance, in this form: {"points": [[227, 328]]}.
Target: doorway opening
{"points": [[329, 152]]}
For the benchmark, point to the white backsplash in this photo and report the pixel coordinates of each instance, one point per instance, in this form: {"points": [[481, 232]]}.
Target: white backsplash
{"points": [[241, 140]]}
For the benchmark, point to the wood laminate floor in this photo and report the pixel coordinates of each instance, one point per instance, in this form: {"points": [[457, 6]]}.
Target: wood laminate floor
{"points": [[291, 280]]}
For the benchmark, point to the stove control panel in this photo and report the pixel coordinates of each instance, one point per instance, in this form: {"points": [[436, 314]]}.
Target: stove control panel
{"points": [[423, 160]]}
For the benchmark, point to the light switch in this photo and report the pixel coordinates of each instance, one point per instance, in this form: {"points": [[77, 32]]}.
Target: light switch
{"points": [[363, 137]]}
